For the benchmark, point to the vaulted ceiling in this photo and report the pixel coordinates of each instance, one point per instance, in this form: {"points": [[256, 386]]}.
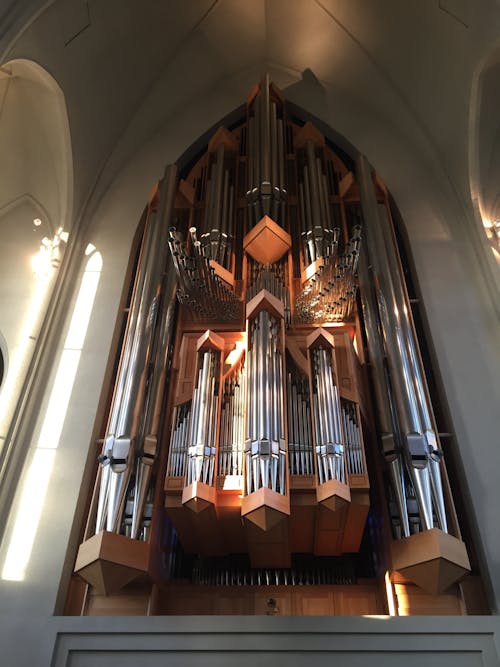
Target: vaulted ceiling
{"points": [[127, 69]]}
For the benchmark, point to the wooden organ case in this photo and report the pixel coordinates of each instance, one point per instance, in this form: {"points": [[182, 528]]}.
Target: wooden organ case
{"points": [[247, 444]]}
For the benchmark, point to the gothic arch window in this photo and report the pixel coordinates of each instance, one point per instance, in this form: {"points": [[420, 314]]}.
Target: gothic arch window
{"points": [[35, 215]]}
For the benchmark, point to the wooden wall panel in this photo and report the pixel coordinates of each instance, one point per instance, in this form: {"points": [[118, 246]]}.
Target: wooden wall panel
{"points": [[413, 601], [132, 600], [315, 601], [358, 601], [185, 599]]}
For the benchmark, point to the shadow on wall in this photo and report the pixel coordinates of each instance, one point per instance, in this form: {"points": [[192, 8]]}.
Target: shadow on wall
{"points": [[310, 93]]}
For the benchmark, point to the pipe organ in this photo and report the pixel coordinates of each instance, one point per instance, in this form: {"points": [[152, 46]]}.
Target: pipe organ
{"points": [[279, 397]]}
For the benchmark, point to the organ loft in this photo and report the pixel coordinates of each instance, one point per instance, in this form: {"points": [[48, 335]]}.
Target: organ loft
{"points": [[270, 444]]}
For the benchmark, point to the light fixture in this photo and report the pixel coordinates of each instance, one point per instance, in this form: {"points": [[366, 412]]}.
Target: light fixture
{"points": [[49, 253]]}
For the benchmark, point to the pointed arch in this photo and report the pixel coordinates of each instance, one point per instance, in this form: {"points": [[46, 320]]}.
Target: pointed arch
{"points": [[35, 215]]}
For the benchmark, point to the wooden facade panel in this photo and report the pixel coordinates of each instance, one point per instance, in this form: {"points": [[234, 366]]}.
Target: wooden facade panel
{"points": [[314, 602], [187, 367], [358, 601], [271, 600], [413, 601], [132, 600]]}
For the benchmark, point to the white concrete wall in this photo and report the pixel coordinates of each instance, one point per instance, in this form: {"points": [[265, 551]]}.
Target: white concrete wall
{"points": [[352, 642]]}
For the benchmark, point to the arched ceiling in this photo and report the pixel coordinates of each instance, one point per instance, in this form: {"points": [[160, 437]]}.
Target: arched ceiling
{"points": [[127, 69], [35, 159]]}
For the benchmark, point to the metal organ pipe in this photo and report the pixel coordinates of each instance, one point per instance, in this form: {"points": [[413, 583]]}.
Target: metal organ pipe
{"points": [[418, 382], [232, 439], [148, 440], [265, 455], [177, 455], [216, 235], [203, 419], [331, 291], [350, 421], [122, 441], [200, 287], [327, 410], [400, 347], [266, 192], [391, 443]]}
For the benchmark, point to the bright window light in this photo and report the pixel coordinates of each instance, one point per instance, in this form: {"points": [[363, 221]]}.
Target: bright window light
{"points": [[35, 488], [20, 354], [28, 515]]}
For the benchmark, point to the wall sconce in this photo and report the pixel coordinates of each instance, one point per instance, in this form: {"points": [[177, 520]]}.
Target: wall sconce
{"points": [[49, 254]]}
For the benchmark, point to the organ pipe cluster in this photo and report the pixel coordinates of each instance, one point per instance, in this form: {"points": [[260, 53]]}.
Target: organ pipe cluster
{"points": [[177, 453], [331, 292], [200, 287], [320, 222], [203, 420], [266, 193], [271, 277], [215, 234], [330, 448], [131, 441], [409, 438], [232, 435], [265, 447], [300, 443], [352, 431]]}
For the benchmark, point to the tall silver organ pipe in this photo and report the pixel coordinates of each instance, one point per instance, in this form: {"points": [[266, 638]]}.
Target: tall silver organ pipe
{"points": [[124, 441], [203, 422], [435, 453], [329, 436], [265, 448], [391, 441], [147, 445], [404, 364], [266, 194]]}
